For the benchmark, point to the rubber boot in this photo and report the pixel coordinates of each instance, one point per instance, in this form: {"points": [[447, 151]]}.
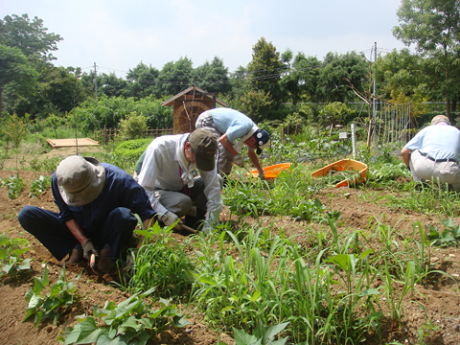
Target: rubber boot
{"points": [[75, 256], [105, 263]]}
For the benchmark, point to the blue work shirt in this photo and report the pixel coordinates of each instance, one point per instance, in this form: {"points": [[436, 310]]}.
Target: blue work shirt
{"points": [[438, 141], [120, 190], [232, 122]]}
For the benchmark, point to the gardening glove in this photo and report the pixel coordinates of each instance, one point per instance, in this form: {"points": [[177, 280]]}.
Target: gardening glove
{"points": [[88, 249], [238, 160], [207, 227], [262, 174], [170, 218]]}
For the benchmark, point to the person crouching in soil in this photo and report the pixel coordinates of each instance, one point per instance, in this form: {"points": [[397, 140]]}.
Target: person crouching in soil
{"points": [[96, 204], [432, 155]]}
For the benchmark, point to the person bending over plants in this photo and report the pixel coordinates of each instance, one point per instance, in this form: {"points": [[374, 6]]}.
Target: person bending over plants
{"points": [[229, 125], [433, 153], [167, 171], [96, 204]]}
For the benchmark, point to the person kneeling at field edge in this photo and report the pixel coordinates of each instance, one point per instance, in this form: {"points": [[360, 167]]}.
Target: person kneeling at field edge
{"points": [[432, 154], [96, 205]]}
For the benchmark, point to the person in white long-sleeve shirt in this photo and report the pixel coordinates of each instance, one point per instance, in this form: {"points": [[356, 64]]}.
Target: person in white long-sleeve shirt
{"points": [[168, 173]]}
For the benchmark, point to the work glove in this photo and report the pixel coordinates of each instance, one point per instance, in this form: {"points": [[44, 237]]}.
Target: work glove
{"points": [[238, 160], [88, 249], [170, 218], [262, 174]]}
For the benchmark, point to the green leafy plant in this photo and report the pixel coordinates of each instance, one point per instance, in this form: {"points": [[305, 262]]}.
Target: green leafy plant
{"points": [[11, 260], [130, 322], [15, 186], [161, 262], [263, 335], [57, 300], [35, 164], [39, 186], [450, 236], [50, 164]]}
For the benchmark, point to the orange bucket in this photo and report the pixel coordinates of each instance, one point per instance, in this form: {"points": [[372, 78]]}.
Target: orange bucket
{"points": [[343, 165], [272, 171]]}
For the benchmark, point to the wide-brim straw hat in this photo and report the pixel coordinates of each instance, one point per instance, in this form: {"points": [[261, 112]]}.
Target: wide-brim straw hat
{"points": [[80, 180], [440, 118]]}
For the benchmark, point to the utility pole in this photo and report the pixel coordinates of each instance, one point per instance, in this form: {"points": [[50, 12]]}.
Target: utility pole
{"points": [[375, 83], [95, 80]]}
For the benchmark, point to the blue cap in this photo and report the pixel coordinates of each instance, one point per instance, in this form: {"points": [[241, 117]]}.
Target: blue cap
{"points": [[262, 139]]}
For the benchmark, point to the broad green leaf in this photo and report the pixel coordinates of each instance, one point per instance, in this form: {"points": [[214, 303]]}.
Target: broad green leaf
{"points": [[38, 285], [132, 322], [242, 338], [35, 301], [273, 330], [85, 332], [255, 295], [3, 254], [180, 321], [7, 268], [46, 281], [369, 292], [207, 280]]}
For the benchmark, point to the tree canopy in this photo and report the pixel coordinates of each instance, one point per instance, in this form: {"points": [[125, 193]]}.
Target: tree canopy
{"points": [[432, 25]]}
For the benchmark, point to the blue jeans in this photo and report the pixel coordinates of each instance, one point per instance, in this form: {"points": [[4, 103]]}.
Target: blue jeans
{"points": [[57, 238]]}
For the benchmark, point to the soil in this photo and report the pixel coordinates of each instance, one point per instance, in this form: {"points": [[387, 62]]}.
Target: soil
{"points": [[437, 304]]}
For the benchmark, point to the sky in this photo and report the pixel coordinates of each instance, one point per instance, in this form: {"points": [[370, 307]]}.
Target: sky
{"points": [[118, 35]]}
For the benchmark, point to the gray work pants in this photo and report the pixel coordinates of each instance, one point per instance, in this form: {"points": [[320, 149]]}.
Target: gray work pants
{"points": [[423, 168]]}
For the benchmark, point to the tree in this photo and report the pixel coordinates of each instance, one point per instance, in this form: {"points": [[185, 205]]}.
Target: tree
{"points": [[143, 81], [401, 77], [239, 83], [302, 79], [334, 113], [176, 76], [112, 86], [265, 70], [257, 105], [433, 26], [15, 72], [212, 77], [57, 91], [31, 37], [335, 75]]}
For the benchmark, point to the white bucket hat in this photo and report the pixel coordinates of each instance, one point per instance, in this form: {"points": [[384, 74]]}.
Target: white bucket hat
{"points": [[80, 180]]}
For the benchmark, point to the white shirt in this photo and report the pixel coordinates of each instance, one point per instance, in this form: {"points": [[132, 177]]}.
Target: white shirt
{"points": [[165, 167]]}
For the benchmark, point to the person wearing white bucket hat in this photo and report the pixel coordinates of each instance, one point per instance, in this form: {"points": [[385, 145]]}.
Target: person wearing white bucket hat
{"points": [[96, 204], [433, 153], [230, 125]]}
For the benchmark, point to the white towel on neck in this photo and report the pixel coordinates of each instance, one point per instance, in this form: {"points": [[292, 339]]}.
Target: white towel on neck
{"points": [[187, 169]]}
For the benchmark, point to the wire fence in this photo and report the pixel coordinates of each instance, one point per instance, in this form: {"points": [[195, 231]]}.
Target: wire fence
{"points": [[392, 123]]}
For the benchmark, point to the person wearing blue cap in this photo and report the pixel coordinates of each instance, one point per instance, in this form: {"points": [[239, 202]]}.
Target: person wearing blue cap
{"points": [[232, 130]]}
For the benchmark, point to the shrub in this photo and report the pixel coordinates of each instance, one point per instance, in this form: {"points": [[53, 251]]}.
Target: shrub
{"points": [[133, 126], [132, 149]]}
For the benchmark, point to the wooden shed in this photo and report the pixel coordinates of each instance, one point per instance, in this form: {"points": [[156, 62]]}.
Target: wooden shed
{"points": [[188, 105]]}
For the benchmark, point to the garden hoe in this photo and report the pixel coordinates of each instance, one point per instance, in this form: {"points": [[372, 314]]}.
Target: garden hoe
{"points": [[92, 264]]}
